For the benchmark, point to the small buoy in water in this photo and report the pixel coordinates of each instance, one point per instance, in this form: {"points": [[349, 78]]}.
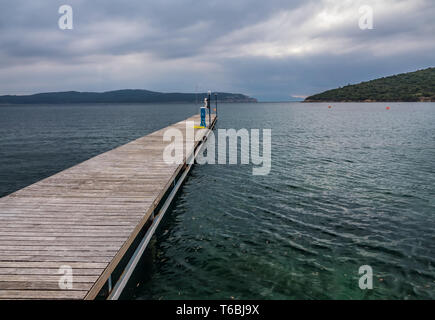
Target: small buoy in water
{"points": [[388, 108], [214, 109], [329, 107]]}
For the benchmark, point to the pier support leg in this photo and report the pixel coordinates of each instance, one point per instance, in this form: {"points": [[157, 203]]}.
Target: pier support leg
{"points": [[109, 283]]}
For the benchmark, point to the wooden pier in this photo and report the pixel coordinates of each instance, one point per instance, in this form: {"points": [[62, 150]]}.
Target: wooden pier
{"points": [[90, 217]]}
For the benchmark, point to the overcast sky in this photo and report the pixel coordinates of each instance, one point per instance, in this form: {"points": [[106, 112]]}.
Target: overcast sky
{"points": [[269, 49]]}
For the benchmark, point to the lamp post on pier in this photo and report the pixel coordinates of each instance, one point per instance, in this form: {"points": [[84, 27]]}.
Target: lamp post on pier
{"points": [[215, 99], [209, 107]]}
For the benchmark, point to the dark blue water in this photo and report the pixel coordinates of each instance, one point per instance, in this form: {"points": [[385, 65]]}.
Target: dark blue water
{"points": [[350, 186], [37, 141]]}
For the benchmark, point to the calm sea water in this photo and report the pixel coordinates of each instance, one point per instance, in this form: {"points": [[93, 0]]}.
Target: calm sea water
{"points": [[350, 186]]}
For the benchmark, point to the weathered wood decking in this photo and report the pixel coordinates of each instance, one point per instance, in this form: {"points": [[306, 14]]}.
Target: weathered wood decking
{"points": [[85, 217]]}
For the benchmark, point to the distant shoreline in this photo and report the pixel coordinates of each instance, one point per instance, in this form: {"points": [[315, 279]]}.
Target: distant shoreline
{"points": [[190, 103], [122, 96], [119, 102], [367, 101], [417, 86]]}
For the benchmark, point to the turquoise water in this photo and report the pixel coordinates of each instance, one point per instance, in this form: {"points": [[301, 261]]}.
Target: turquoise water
{"points": [[350, 186]]}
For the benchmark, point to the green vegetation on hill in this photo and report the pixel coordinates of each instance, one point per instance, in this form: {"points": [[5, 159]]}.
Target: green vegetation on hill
{"points": [[407, 87], [120, 96]]}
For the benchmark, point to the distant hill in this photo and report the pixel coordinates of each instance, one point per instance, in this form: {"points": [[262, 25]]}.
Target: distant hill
{"points": [[407, 87], [119, 96]]}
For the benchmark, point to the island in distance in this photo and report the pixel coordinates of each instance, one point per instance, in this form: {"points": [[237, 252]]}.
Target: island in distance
{"points": [[120, 96], [418, 86]]}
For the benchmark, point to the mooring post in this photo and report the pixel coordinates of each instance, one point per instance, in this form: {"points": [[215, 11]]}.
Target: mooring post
{"points": [[209, 107], [215, 98]]}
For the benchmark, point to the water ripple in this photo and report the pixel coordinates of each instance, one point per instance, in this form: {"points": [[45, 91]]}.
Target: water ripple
{"points": [[349, 186]]}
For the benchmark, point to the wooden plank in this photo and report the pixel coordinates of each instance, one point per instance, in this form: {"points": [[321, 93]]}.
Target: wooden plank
{"points": [[65, 233], [60, 248], [65, 253], [79, 222], [42, 294], [51, 265], [56, 258], [71, 236], [24, 228], [85, 217], [30, 284], [49, 271], [47, 278]]}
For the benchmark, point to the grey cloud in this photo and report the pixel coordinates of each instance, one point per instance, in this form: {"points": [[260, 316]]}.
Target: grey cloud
{"points": [[174, 45]]}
